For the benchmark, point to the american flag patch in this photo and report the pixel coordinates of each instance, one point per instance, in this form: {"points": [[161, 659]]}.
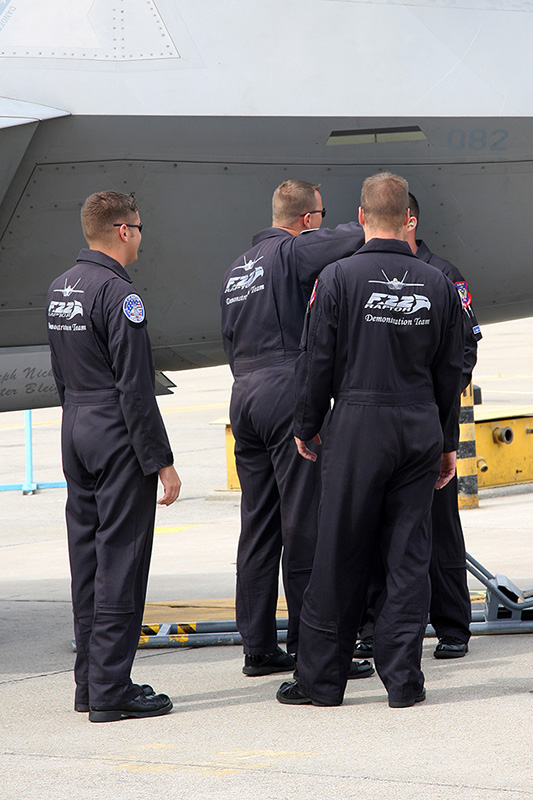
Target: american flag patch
{"points": [[313, 294]]}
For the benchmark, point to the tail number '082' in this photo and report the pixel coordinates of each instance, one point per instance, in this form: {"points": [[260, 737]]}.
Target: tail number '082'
{"points": [[477, 139]]}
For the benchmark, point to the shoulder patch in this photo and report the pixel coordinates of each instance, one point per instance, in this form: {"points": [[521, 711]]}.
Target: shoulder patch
{"points": [[313, 294], [464, 294], [133, 308]]}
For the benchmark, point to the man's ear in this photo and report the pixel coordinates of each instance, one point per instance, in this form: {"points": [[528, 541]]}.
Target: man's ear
{"points": [[122, 232], [361, 216]]}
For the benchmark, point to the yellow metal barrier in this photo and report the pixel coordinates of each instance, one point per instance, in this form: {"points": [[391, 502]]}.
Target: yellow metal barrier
{"points": [[495, 449], [504, 446], [231, 469]]}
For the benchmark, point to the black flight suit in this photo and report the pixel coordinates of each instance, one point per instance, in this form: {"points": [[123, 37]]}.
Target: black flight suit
{"points": [[450, 610], [385, 341], [113, 445], [263, 300]]}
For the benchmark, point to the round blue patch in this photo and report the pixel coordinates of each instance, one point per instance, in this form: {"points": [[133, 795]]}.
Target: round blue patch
{"points": [[133, 308]]}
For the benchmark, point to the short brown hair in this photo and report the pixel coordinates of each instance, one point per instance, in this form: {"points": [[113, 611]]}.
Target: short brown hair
{"points": [[385, 199], [414, 207], [291, 199], [102, 209]]}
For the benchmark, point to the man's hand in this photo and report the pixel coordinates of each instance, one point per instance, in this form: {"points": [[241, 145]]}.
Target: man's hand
{"points": [[447, 469], [171, 484], [303, 449]]}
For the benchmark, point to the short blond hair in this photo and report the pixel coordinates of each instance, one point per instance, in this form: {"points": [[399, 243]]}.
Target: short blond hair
{"points": [[102, 209], [291, 199], [384, 200]]}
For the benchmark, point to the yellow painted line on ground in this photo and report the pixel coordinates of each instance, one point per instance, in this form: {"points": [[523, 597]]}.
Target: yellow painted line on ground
{"points": [[224, 762], [176, 528], [507, 391], [501, 377], [21, 426], [164, 411]]}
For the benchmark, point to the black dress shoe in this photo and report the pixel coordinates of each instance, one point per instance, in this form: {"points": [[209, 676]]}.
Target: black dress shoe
{"points": [[141, 706], [408, 703], [364, 647], [360, 669], [84, 707], [268, 663], [290, 694], [450, 647]]}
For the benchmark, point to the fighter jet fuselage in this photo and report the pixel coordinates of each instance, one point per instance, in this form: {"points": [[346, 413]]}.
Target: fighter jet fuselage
{"points": [[203, 108]]}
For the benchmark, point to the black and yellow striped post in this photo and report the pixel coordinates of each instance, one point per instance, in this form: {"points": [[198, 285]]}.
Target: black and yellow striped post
{"points": [[467, 489]]}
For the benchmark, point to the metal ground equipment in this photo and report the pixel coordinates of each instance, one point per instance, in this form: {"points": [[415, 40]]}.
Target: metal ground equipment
{"points": [[507, 609]]}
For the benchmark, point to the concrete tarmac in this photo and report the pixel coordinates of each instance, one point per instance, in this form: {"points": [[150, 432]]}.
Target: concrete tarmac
{"points": [[227, 737]]}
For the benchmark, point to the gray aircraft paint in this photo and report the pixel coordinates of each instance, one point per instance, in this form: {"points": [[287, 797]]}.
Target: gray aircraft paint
{"points": [[203, 107]]}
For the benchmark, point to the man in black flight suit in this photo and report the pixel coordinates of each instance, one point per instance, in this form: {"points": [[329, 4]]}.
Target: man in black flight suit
{"points": [[263, 299], [450, 610], [114, 446], [385, 341]]}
